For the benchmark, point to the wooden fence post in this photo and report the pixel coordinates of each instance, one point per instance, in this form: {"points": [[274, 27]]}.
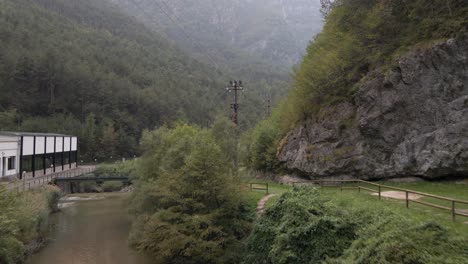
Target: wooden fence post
{"points": [[267, 188], [453, 211], [407, 199], [380, 193]]}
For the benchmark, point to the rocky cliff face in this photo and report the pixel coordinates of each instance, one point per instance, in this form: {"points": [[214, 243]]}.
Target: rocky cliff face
{"points": [[411, 120]]}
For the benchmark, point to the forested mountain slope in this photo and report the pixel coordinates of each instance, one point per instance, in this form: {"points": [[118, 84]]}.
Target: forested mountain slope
{"points": [[271, 31], [381, 93], [85, 68]]}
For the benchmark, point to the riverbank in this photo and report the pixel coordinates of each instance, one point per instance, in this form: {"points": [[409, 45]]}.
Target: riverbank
{"points": [[24, 221]]}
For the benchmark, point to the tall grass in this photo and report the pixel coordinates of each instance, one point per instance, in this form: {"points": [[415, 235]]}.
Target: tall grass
{"points": [[24, 221]]}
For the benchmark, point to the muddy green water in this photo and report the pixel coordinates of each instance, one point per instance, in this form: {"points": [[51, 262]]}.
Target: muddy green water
{"points": [[90, 232]]}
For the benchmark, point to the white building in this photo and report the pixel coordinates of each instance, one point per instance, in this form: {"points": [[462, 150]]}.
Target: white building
{"points": [[36, 154]]}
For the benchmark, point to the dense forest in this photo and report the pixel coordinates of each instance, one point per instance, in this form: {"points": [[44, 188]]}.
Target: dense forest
{"points": [[359, 38], [87, 69]]}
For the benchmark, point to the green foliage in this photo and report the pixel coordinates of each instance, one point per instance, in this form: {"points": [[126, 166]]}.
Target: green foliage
{"points": [[23, 220], [259, 145], [112, 186], [226, 134], [126, 168], [301, 227], [360, 36], [310, 226], [394, 241], [186, 202]]}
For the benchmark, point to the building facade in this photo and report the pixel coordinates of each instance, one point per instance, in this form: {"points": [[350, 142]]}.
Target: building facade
{"points": [[36, 154]]}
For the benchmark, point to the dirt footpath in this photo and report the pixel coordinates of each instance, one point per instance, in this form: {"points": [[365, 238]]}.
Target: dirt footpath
{"points": [[261, 203], [399, 195]]}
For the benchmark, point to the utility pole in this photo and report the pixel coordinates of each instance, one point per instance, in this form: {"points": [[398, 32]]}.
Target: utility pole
{"points": [[235, 86]]}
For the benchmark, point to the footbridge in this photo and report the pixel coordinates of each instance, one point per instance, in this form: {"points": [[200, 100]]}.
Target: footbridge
{"points": [[72, 184], [92, 178], [29, 183]]}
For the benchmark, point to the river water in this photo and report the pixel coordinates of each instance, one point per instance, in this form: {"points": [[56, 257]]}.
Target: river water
{"points": [[90, 229]]}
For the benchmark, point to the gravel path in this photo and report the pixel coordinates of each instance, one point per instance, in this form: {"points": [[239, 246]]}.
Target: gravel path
{"points": [[398, 195], [261, 203]]}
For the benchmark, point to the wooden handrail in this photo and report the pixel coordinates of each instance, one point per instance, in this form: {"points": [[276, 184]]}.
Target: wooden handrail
{"points": [[431, 205], [367, 189], [407, 192], [416, 192]]}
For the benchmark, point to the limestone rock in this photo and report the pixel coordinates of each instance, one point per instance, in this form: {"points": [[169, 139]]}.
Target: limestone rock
{"points": [[411, 120]]}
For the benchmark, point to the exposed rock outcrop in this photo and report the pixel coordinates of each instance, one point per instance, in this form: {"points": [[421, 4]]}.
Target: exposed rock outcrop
{"points": [[411, 120]]}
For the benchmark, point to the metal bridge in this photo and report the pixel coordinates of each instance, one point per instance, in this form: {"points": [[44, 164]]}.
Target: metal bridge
{"points": [[92, 178], [71, 184]]}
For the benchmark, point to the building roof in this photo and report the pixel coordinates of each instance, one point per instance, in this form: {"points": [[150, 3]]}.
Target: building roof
{"points": [[31, 134]]}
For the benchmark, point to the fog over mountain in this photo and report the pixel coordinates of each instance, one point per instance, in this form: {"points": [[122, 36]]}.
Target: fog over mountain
{"points": [[272, 31]]}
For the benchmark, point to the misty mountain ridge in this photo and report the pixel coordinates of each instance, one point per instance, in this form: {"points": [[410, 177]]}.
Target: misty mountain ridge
{"points": [[272, 31]]}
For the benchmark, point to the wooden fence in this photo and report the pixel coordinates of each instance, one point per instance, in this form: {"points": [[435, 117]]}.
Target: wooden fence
{"points": [[259, 186], [378, 188]]}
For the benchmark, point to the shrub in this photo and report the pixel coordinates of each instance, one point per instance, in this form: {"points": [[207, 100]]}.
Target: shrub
{"points": [[112, 186], [301, 227], [24, 220], [391, 239]]}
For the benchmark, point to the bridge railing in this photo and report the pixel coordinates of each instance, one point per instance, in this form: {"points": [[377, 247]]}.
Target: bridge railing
{"points": [[28, 184], [376, 188]]}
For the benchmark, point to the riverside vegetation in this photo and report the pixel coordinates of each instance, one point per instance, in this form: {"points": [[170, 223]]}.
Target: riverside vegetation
{"points": [[24, 221], [187, 203]]}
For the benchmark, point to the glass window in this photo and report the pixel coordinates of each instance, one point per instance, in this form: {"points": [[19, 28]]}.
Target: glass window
{"points": [[66, 158], [39, 162], [49, 160], [27, 163], [11, 163], [73, 157], [58, 159]]}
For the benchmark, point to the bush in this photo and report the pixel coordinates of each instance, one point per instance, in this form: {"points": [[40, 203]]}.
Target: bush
{"points": [[24, 221], [301, 227], [394, 240], [112, 186]]}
